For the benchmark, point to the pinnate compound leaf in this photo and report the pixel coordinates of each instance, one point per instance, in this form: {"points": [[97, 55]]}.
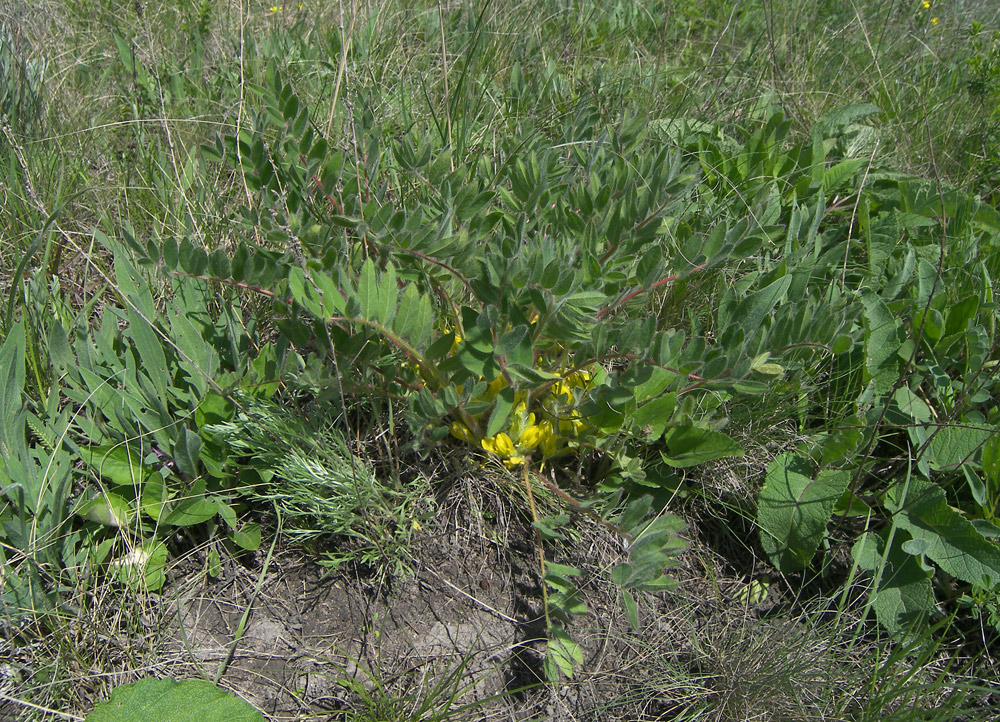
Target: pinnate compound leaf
{"points": [[947, 538], [169, 700], [794, 509]]}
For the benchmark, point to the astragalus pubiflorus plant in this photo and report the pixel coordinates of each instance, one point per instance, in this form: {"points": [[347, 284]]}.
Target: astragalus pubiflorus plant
{"points": [[589, 306]]}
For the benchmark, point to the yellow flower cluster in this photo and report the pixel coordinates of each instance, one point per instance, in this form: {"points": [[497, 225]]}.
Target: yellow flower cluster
{"points": [[528, 428]]}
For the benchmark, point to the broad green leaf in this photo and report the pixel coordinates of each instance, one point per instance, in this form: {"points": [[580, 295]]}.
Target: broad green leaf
{"points": [[839, 173], [692, 445], [406, 319], [247, 537], [953, 446], [133, 286], [621, 573], [60, 353], [213, 409], [167, 700], [425, 322], [333, 300], [651, 418], [118, 464], [107, 509], [227, 514], [634, 513], [833, 121], [904, 598], [961, 314], [197, 357], [950, 540], [149, 350], [912, 405], [219, 265], [503, 405], [563, 651], [794, 508], [548, 533], [303, 291], [193, 509], [659, 378], [631, 610], [515, 346], [154, 497]]}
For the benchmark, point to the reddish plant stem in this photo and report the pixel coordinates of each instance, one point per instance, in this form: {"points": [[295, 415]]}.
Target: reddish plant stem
{"points": [[604, 311]]}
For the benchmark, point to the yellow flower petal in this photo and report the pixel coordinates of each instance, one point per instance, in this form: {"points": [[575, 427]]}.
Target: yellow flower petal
{"points": [[531, 436], [461, 432], [501, 445]]}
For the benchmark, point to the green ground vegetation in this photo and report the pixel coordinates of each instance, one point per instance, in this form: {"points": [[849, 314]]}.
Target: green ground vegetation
{"points": [[252, 256]]}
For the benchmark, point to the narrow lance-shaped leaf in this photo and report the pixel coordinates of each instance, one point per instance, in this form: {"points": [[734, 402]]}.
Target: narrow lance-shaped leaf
{"points": [[368, 291], [388, 293], [406, 319], [12, 370]]}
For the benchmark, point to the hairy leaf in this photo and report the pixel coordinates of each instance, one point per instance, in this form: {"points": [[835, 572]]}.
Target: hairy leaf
{"points": [[794, 509], [168, 700], [951, 541]]}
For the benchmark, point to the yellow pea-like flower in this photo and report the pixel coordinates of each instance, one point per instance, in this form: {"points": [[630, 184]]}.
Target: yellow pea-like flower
{"points": [[531, 437], [563, 388], [461, 432], [501, 445]]}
